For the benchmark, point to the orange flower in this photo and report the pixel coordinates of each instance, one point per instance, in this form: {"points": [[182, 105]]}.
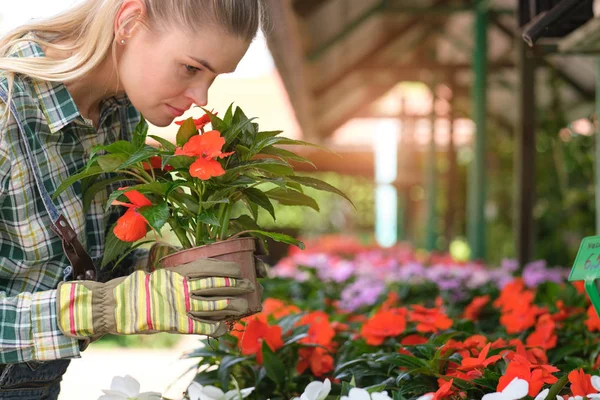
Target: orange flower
{"points": [[385, 323], [481, 361], [132, 225], [317, 358], [256, 332], [199, 122], [320, 331], [412, 340], [581, 383], [429, 319], [535, 375], [445, 391], [391, 301], [543, 336], [206, 148], [579, 286], [520, 319], [592, 322], [475, 343], [474, 308], [208, 144], [278, 309]]}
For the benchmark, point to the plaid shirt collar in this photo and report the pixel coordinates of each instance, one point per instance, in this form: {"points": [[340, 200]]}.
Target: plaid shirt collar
{"points": [[56, 103]]}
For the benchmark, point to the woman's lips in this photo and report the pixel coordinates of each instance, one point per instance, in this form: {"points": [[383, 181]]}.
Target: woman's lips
{"points": [[175, 111]]}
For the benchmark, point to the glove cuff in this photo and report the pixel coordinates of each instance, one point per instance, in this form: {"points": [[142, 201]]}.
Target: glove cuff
{"points": [[74, 309]]}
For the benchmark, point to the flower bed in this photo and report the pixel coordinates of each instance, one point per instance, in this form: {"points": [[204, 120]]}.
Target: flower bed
{"points": [[414, 325]]}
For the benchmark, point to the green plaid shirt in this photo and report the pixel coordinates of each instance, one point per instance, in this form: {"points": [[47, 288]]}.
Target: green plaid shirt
{"points": [[32, 261]]}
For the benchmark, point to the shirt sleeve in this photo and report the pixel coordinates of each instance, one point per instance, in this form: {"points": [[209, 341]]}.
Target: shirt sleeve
{"points": [[29, 329], [28, 321]]}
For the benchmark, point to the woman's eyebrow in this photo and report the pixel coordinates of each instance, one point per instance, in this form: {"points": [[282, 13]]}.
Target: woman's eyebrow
{"points": [[204, 63], [207, 65]]}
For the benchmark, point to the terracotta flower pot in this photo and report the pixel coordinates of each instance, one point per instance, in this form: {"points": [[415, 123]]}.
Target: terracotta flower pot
{"points": [[239, 250]]}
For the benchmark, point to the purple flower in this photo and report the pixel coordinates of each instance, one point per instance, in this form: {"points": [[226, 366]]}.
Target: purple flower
{"points": [[363, 292]]}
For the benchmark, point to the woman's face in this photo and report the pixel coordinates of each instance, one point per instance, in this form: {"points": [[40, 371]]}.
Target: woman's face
{"points": [[164, 74]]}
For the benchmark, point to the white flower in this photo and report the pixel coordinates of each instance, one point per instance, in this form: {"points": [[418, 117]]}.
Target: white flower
{"points": [[544, 393], [362, 394], [127, 388], [516, 389], [316, 390], [576, 398], [596, 385], [198, 392]]}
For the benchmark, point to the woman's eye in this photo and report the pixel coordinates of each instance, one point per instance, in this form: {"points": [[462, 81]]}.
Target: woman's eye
{"points": [[191, 69]]}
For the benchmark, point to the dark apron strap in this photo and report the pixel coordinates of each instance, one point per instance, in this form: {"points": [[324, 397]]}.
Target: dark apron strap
{"points": [[81, 262]]}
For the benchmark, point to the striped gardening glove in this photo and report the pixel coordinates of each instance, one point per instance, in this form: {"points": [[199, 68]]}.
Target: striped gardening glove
{"points": [[192, 298]]}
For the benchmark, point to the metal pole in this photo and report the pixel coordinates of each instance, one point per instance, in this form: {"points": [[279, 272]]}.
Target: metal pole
{"points": [[525, 157], [430, 242], [451, 177], [476, 194]]}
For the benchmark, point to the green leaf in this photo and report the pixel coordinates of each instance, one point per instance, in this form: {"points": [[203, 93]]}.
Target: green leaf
{"points": [[319, 185], [208, 218], [90, 193], [273, 365], [292, 142], [164, 143], [292, 198], [95, 170], [257, 197], [114, 247], [185, 132], [179, 162], [403, 360], [225, 365], [264, 164], [156, 215], [244, 222], [279, 237], [285, 155], [243, 152], [139, 134], [228, 115], [120, 147], [111, 162], [140, 155]]}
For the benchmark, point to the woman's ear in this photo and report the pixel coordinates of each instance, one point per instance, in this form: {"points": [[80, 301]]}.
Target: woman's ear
{"points": [[127, 18]]}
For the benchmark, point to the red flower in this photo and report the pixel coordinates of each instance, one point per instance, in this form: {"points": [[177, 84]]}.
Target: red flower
{"points": [[256, 332], [592, 322], [385, 323], [474, 308], [429, 319], [132, 225], [208, 144], [199, 122], [206, 148], [317, 358], [481, 361], [581, 383], [544, 335]]}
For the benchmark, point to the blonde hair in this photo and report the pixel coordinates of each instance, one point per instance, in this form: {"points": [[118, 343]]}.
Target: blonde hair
{"points": [[87, 33]]}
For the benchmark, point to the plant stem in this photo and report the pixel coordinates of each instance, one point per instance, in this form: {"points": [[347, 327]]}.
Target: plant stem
{"points": [[225, 221], [199, 225], [180, 233], [143, 180]]}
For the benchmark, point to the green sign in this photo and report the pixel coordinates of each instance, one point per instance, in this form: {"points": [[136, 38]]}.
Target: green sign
{"points": [[587, 268]]}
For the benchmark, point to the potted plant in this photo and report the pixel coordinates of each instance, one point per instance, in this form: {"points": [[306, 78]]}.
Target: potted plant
{"points": [[207, 187]]}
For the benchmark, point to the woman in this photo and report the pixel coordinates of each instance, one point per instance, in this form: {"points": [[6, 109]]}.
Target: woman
{"points": [[69, 83]]}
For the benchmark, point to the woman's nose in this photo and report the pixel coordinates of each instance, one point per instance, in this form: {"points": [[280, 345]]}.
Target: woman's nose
{"points": [[199, 96]]}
